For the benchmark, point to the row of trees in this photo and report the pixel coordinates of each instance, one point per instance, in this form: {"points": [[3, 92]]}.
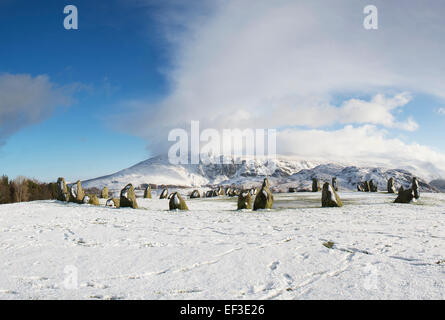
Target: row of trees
{"points": [[23, 189]]}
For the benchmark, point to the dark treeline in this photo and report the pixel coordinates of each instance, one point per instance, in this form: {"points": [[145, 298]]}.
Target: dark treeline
{"points": [[23, 189]]}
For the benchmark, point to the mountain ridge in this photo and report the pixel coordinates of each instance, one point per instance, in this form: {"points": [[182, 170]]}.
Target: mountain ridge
{"points": [[283, 172]]}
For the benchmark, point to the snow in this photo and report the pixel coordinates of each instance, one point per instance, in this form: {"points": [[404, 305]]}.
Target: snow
{"points": [[282, 172], [381, 250]]}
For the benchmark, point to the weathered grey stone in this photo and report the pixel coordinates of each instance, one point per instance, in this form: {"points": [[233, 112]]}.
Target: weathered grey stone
{"points": [[76, 193], [415, 187], [366, 186], [128, 197], [264, 198], [164, 194], [177, 202], [113, 203], [315, 185], [104, 193], [391, 185], [335, 184], [195, 194], [405, 196], [373, 187], [244, 200], [330, 198], [147, 192], [62, 190]]}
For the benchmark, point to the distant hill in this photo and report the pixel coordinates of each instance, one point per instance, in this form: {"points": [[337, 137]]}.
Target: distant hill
{"points": [[439, 184], [283, 172]]}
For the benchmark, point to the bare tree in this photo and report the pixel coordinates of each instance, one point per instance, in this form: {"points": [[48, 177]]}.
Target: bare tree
{"points": [[20, 189]]}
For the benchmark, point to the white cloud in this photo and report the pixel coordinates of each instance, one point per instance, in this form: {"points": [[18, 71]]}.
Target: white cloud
{"points": [[441, 111], [266, 64], [366, 145], [25, 100]]}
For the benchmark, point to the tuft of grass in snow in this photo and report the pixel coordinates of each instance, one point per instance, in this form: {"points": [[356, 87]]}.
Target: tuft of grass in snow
{"points": [[329, 244]]}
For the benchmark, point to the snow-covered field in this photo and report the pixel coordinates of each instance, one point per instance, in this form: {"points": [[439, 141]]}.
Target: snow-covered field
{"points": [[381, 250]]}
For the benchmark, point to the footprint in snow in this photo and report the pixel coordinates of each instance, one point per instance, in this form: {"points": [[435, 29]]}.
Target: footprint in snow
{"points": [[274, 265]]}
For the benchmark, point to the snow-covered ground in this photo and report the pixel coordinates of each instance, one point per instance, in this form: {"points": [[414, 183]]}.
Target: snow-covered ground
{"points": [[381, 250]]}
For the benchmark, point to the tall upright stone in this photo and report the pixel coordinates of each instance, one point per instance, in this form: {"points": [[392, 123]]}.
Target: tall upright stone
{"points": [[91, 199], [164, 194], [177, 202], [366, 186], [147, 192], [373, 186], [76, 193], [244, 200], [195, 194], [335, 183], [330, 198], [391, 185], [104, 193], [128, 197], [264, 198], [415, 187], [315, 185], [62, 190]]}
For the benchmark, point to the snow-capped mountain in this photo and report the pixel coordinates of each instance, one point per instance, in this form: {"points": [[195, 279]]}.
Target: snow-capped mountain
{"points": [[283, 172]]}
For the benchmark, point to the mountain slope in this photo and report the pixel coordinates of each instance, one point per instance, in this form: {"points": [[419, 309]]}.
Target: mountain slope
{"points": [[283, 172]]}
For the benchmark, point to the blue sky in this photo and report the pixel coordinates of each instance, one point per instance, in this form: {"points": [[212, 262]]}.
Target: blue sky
{"points": [[119, 82], [110, 57]]}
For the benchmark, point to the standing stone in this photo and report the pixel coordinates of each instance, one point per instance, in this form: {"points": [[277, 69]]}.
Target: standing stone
{"points": [[405, 196], [128, 197], [415, 187], [195, 194], [264, 198], [177, 202], [62, 190], [373, 187], [366, 186], [330, 198], [244, 200], [104, 193], [360, 187], [147, 192], [113, 203], [220, 191], [164, 194], [335, 183], [170, 195], [315, 185], [292, 190], [91, 199], [76, 193], [391, 185]]}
